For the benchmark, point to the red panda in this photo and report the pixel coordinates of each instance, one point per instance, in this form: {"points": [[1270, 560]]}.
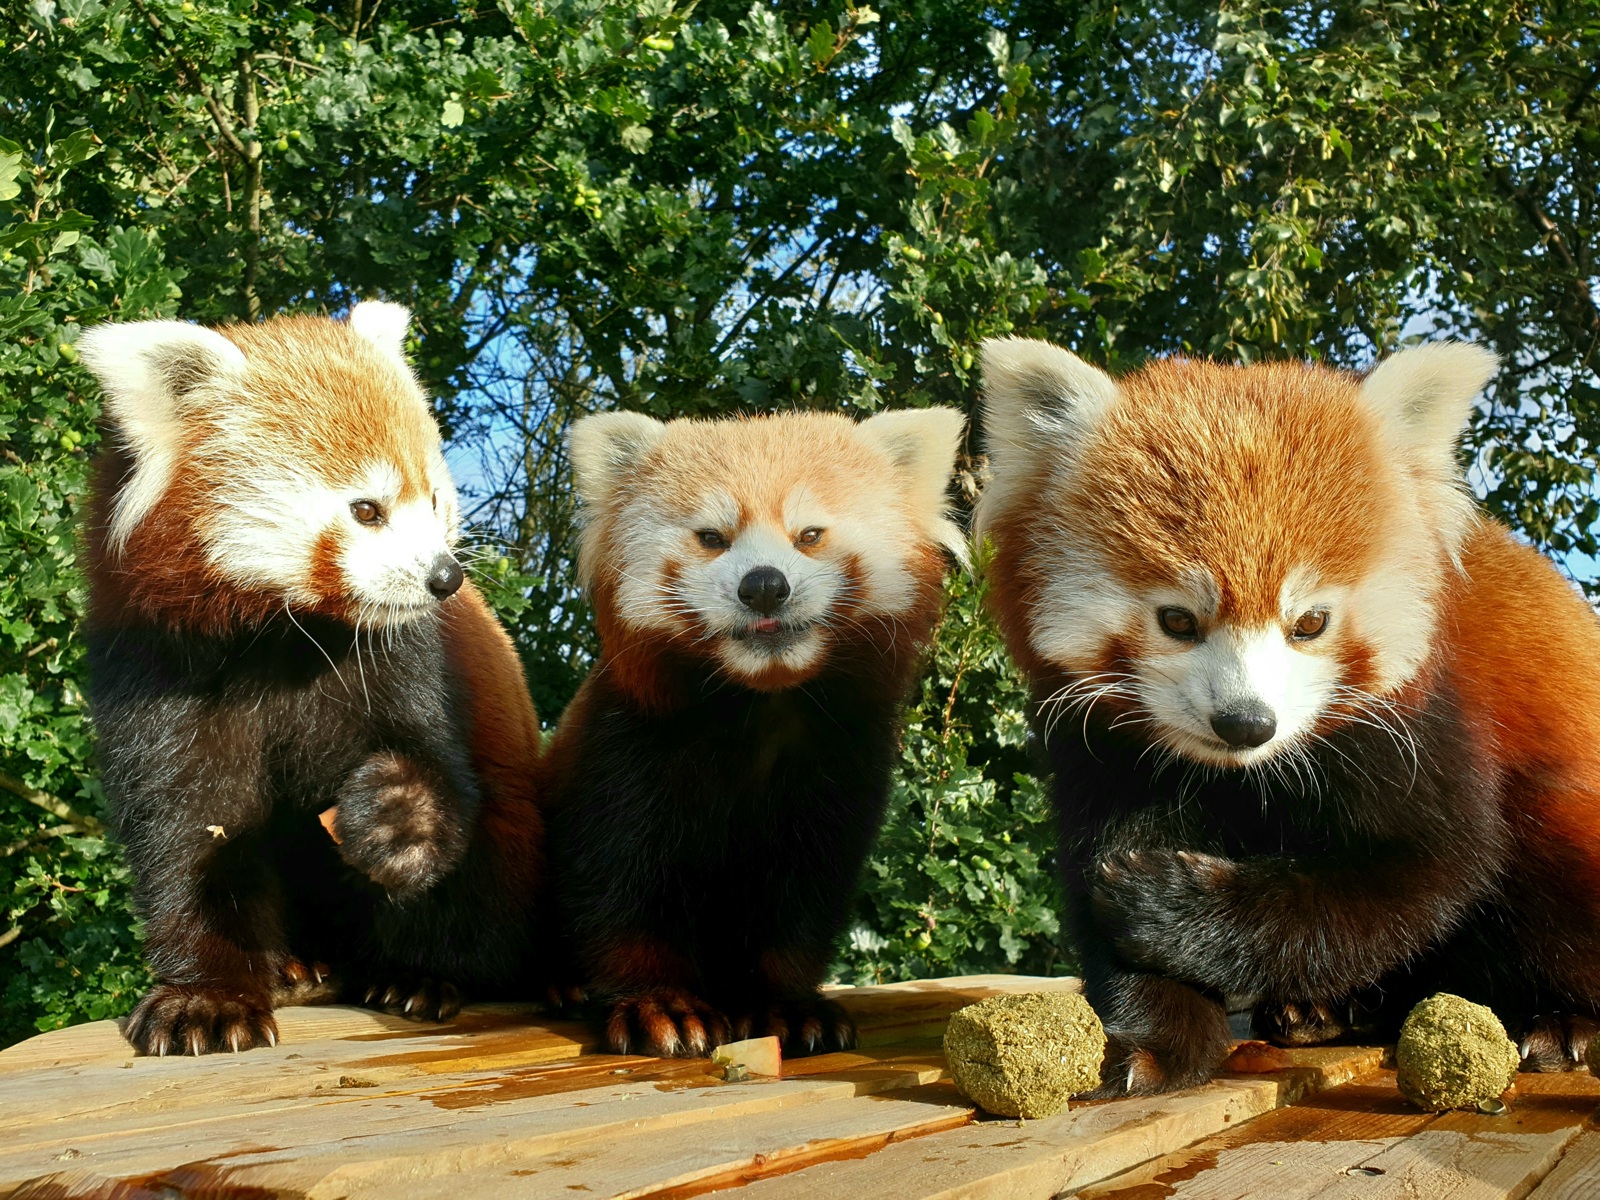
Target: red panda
{"points": [[277, 626], [764, 591], [1322, 734]]}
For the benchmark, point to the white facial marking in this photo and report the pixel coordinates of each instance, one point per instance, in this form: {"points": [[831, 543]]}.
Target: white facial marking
{"points": [[669, 582], [864, 564], [1234, 670], [269, 523], [386, 566]]}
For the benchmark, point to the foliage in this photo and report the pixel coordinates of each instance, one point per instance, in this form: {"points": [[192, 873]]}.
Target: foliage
{"points": [[1268, 179], [736, 206], [963, 880], [66, 929]]}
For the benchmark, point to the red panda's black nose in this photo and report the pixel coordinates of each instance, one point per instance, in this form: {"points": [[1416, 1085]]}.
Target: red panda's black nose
{"points": [[764, 589], [445, 578], [1250, 725]]}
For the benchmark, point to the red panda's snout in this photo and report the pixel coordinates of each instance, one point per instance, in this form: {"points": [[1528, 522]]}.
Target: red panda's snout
{"points": [[1230, 693]]}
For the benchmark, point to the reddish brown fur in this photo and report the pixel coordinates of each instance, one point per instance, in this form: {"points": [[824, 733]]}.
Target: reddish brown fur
{"points": [[162, 574], [505, 735], [1523, 650], [299, 363], [1175, 479]]}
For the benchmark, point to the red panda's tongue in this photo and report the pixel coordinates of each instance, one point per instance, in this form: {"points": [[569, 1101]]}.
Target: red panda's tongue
{"points": [[767, 625]]}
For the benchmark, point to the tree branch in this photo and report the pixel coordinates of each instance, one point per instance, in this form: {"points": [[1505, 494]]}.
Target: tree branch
{"points": [[53, 805]]}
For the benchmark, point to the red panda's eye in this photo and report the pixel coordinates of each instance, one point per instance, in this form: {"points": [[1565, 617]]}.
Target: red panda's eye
{"points": [[809, 537], [711, 539], [366, 512], [1179, 623], [1310, 624]]}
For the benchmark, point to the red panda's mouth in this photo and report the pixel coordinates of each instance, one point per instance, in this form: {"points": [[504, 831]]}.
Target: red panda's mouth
{"points": [[771, 635]]}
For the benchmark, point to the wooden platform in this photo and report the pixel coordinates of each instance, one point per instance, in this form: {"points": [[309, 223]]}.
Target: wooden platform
{"points": [[501, 1103]]}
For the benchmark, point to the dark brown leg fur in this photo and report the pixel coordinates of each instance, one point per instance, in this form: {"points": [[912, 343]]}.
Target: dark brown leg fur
{"points": [[1161, 1035], [1301, 1022], [417, 998], [399, 824]]}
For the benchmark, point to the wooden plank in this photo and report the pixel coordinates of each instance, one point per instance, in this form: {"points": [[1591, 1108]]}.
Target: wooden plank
{"points": [[486, 1168], [1281, 1170], [102, 1041], [568, 1101], [900, 1011], [1364, 1140], [1468, 1156], [1357, 1119], [50, 1105], [648, 1164], [1011, 1159], [43, 1079], [288, 1071], [1577, 1175]]}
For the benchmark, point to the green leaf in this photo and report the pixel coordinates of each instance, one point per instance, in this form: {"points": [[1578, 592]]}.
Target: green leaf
{"points": [[635, 138], [10, 168], [78, 147]]}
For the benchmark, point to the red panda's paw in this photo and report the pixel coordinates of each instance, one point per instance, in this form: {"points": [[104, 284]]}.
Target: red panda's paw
{"points": [[565, 999], [667, 1023], [808, 1025], [395, 823], [302, 983], [183, 1019], [1161, 1035], [417, 998], [1139, 1071], [1301, 1022], [1557, 1042]]}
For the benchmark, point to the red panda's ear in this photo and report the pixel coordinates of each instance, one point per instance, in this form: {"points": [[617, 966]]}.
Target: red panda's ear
{"points": [[605, 448], [154, 376], [1039, 396], [1424, 396], [922, 444], [384, 325], [1038, 400]]}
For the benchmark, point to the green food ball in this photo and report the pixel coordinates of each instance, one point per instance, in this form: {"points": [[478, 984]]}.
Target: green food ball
{"points": [[1453, 1054], [1024, 1055]]}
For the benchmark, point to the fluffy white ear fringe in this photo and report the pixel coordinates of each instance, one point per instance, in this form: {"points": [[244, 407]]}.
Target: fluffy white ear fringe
{"points": [[1037, 398], [922, 444], [150, 372], [1425, 396], [384, 325], [606, 447]]}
